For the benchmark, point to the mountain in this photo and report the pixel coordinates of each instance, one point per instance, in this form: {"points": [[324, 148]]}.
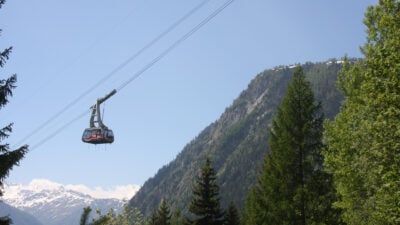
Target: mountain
{"points": [[55, 204], [18, 217], [238, 141]]}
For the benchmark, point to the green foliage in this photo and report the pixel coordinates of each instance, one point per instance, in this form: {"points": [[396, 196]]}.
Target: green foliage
{"points": [[152, 220], [101, 220], [85, 216], [323, 79], [164, 214], [238, 141], [232, 215], [293, 188], [363, 152], [253, 214], [5, 221], [129, 216], [8, 158], [177, 218], [205, 205]]}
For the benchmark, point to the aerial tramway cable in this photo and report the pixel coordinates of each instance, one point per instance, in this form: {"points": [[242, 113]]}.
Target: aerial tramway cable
{"points": [[113, 72], [175, 44], [146, 67], [68, 65]]}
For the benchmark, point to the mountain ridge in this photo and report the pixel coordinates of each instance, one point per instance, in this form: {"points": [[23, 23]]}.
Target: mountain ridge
{"points": [[18, 217], [238, 141], [56, 204]]}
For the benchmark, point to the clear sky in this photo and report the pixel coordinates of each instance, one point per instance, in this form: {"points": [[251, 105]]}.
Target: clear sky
{"points": [[62, 48]]}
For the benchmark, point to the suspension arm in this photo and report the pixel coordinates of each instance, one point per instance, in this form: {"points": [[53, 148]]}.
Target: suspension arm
{"points": [[101, 100]]}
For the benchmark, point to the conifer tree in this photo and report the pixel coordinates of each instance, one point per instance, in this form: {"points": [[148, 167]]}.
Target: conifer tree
{"points": [[153, 219], [253, 214], [8, 157], [205, 203], [102, 220], [363, 140], [164, 215], [293, 188], [232, 215], [177, 218], [130, 216]]}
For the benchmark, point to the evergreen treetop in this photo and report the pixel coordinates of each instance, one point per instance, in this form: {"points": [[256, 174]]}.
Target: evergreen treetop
{"points": [[363, 140], [205, 204], [232, 216], [164, 214], [102, 220], [293, 188], [153, 219], [8, 157]]}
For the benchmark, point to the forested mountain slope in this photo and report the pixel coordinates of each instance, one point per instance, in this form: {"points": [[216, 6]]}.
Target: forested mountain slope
{"points": [[238, 141]]}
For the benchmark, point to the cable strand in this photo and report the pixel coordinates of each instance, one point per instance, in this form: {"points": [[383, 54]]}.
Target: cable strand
{"points": [[113, 72], [175, 44], [145, 68]]}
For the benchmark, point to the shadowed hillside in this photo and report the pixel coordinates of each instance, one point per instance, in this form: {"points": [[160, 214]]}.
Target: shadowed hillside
{"points": [[238, 141]]}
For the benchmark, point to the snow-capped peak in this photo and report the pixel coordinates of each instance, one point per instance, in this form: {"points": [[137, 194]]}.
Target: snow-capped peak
{"points": [[43, 184], [117, 192], [37, 185], [51, 202]]}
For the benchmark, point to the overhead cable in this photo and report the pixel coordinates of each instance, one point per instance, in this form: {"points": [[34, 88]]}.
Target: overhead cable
{"points": [[113, 72], [73, 61], [176, 44], [149, 65]]}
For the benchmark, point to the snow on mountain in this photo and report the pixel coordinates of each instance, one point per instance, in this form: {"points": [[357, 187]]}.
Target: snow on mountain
{"points": [[56, 204], [118, 192]]}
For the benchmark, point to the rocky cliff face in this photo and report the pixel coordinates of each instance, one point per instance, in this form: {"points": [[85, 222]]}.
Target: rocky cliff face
{"points": [[238, 141]]}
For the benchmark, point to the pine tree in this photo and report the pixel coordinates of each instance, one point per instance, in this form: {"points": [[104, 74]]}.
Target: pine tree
{"points": [[205, 203], [153, 218], [130, 216], [232, 215], [177, 217], [8, 158], [101, 220], [293, 188], [363, 140], [164, 215], [253, 213], [85, 216]]}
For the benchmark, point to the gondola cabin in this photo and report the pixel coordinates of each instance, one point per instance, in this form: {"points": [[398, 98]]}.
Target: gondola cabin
{"points": [[97, 135]]}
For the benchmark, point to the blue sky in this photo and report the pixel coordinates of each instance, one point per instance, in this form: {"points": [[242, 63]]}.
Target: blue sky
{"points": [[61, 48]]}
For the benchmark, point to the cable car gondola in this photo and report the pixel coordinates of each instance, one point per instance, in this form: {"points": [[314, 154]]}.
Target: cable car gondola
{"points": [[99, 134]]}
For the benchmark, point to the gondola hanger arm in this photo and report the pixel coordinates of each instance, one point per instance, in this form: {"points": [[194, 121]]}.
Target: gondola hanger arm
{"points": [[101, 100]]}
